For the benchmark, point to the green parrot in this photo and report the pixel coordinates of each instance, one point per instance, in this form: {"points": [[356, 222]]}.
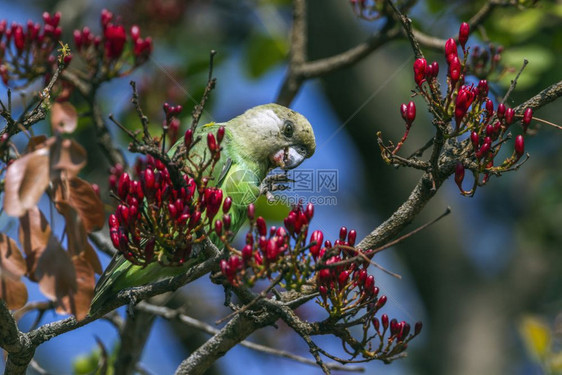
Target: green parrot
{"points": [[259, 140]]}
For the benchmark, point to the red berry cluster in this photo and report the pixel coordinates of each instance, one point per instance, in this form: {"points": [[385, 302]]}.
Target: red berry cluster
{"points": [[157, 221], [399, 336], [106, 53], [408, 112], [338, 276], [265, 249], [26, 51], [338, 270], [470, 109], [484, 62]]}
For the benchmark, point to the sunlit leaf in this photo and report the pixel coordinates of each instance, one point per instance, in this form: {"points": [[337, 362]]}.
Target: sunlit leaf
{"points": [[81, 196], [12, 290], [34, 234], [67, 155], [78, 304], [264, 52], [526, 22], [555, 363], [36, 142], [540, 60], [26, 180], [12, 267], [536, 335], [11, 258], [64, 117]]}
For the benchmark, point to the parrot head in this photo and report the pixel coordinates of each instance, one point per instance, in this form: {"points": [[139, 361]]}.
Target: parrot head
{"points": [[275, 135]]}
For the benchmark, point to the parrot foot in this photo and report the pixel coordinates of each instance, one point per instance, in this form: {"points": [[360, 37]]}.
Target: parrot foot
{"points": [[274, 182]]}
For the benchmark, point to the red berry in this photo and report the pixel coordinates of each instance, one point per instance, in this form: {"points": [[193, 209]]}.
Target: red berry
{"points": [[464, 31], [251, 211], [211, 143], [261, 226], [519, 145], [218, 227], [318, 237], [135, 32], [454, 69], [459, 175], [420, 71], [220, 134], [475, 140], [501, 111], [450, 49]]}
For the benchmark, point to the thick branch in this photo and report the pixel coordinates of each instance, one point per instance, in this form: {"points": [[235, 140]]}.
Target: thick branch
{"points": [[438, 44], [417, 200], [133, 340], [235, 331], [347, 58], [299, 33], [544, 97], [168, 313], [14, 342]]}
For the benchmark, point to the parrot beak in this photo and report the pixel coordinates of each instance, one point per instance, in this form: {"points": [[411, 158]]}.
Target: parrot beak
{"points": [[289, 157]]}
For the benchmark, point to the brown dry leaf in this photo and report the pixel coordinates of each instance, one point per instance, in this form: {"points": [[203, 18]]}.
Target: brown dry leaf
{"points": [[92, 257], [55, 272], [12, 290], [11, 258], [12, 267], [64, 117], [36, 142], [26, 180], [34, 234], [78, 303], [76, 234], [66, 155], [81, 196]]}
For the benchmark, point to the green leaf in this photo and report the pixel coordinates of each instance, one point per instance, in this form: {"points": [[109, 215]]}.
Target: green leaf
{"points": [[527, 23], [536, 336], [264, 52], [540, 60]]}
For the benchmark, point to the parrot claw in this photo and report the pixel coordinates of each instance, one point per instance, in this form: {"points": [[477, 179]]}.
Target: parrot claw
{"points": [[274, 182]]}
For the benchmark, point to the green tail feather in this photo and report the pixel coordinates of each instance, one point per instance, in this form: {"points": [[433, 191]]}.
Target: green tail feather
{"points": [[122, 274]]}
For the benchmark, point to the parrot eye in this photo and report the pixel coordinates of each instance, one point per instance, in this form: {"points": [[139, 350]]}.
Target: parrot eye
{"points": [[288, 128]]}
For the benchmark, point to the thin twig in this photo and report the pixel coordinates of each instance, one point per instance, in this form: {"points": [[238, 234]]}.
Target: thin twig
{"points": [[409, 234], [261, 295], [211, 82], [419, 152], [140, 113], [547, 122], [407, 26], [514, 81], [168, 313]]}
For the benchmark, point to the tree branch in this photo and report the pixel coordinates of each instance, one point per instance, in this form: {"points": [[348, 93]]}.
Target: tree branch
{"points": [[16, 343], [170, 314], [133, 340], [347, 58]]}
